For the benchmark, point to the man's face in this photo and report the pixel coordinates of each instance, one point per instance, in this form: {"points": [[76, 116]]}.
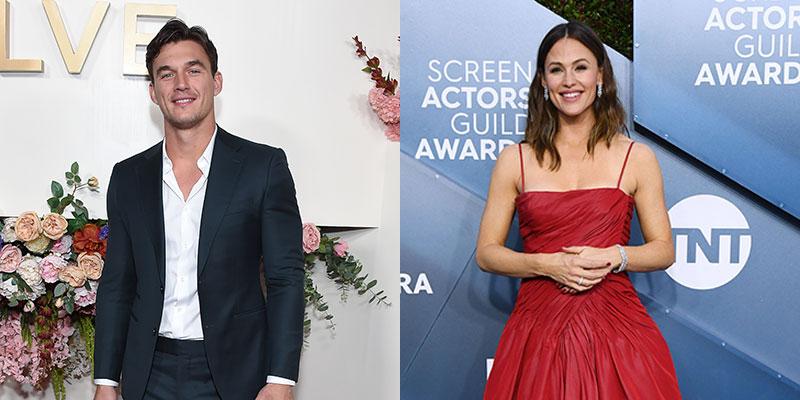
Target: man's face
{"points": [[183, 85]]}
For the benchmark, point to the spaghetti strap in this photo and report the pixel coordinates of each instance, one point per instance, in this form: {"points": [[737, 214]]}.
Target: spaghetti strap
{"points": [[521, 168], [624, 164]]}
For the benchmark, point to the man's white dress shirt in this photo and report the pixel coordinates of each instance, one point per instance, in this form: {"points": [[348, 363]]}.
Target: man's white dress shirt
{"points": [[180, 317]]}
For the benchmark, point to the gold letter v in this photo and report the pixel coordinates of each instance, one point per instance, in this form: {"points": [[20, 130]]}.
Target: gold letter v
{"points": [[75, 60]]}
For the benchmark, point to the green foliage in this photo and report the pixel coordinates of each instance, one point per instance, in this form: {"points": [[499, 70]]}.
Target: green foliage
{"points": [[59, 389], [85, 327], [611, 19], [59, 202], [27, 336], [345, 271]]}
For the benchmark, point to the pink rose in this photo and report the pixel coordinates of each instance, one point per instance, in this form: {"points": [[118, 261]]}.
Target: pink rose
{"points": [[10, 258], [28, 226], [92, 265], [340, 249], [54, 225], [51, 266], [392, 132], [311, 238], [73, 275]]}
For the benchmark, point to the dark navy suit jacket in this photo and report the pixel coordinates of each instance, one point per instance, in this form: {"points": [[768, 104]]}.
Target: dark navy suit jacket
{"points": [[250, 211]]}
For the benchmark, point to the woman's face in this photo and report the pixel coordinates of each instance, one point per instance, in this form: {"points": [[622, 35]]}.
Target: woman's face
{"points": [[571, 74]]}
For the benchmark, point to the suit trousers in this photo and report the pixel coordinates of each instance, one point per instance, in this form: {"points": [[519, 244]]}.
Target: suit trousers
{"points": [[180, 372]]}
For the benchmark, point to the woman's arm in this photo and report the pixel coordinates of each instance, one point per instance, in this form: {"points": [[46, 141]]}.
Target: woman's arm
{"points": [[493, 256], [658, 251]]}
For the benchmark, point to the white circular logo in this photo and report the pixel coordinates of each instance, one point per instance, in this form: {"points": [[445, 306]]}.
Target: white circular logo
{"points": [[712, 241]]}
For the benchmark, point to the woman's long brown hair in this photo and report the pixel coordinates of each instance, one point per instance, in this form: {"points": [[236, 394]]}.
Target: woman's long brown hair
{"points": [[543, 115]]}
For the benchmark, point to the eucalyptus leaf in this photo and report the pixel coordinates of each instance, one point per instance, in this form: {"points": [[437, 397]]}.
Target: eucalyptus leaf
{"points": [[60, 289], [74, 167], [56, 189], [68, 175], [52, 203], [74, 224]]}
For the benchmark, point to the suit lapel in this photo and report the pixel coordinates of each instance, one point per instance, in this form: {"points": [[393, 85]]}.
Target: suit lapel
{"points": [[223, 175], [150, 177]]}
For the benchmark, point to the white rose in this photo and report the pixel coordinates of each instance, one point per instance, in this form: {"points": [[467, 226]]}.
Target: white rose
{"points": [[9, 234], [28, 270], [8, 288]]}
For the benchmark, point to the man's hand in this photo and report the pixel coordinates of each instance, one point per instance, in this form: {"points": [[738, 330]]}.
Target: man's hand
{"points": [[103, 392], [274, 391]]}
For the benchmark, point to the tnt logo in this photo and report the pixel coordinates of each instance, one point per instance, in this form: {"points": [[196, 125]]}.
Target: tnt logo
{"points": [[712, 241]]}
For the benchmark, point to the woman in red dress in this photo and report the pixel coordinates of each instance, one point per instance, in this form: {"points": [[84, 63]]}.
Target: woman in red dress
{"points": [[578, 329]]}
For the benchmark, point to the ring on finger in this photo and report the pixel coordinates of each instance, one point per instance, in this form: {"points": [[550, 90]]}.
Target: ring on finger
{"points": [[580, 282]]}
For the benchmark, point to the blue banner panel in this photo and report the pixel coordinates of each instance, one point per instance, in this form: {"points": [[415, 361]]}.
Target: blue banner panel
{"points": [[721, 81]]}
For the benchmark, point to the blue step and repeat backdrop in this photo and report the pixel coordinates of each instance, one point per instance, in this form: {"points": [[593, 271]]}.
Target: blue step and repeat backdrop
{"points": [[727, 307]]}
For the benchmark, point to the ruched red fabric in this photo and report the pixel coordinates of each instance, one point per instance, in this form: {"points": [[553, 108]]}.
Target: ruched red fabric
{"points": [[598, 344]]}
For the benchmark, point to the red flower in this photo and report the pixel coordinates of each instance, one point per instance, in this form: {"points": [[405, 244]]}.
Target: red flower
{"points": [[88, 240]]}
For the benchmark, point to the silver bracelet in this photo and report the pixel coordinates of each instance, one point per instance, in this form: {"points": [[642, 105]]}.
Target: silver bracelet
{"points": [[624, 264]]}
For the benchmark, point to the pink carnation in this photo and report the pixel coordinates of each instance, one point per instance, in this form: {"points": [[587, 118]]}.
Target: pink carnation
{"points": [[85, 297], [51, 266], [386, 106], [392, 132], [10, 257], [311, 238], [63, 245], [340, 249]]}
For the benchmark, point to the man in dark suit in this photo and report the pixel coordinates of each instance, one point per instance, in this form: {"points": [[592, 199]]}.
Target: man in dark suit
{"points": [[180, 310]]}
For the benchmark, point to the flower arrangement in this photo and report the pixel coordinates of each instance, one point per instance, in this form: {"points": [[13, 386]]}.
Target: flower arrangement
{"points": [[50, 267], [341, 267], [384, 97]]}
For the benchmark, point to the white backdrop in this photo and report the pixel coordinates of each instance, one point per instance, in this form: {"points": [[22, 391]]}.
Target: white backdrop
{"points": [[290, 80]]}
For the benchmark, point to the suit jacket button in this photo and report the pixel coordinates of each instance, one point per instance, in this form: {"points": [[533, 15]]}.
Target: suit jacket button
{"points": [[154, 332], [162, 289]]}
